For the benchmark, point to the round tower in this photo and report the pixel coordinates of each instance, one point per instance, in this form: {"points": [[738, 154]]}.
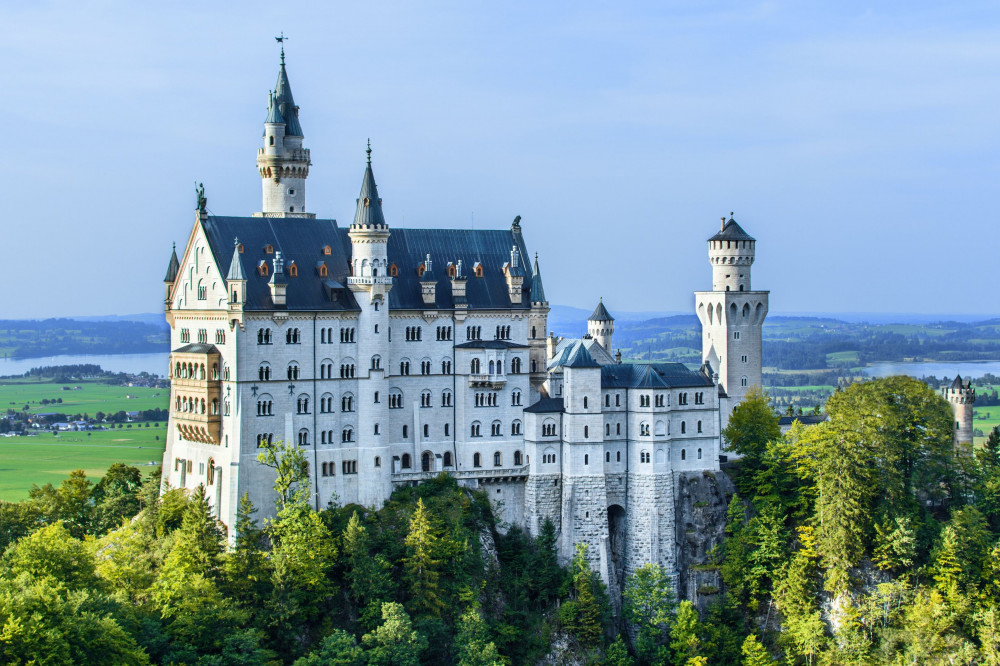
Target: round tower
{"points": [[283, 163], [601, 326], [731, 253], [961, 396]]}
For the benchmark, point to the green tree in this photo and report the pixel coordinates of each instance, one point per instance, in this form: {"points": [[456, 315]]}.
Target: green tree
{"points": [[617, 654], [337, 649], [17, 519], [43, 622], [648, 603], [473, 646], [895, 544], [52, 552], [425, 553], [116, 497], [395, 642], [291, 471], [755, 654], [368, 576], [246, 569], [547, 574], [583, 614], [751, 426], [684, 641]]}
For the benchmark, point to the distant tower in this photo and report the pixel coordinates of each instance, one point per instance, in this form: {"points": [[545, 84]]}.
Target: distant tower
{"points": [[732, 316], [283, 162], [961, 396], [538, 320], [601, 326]]}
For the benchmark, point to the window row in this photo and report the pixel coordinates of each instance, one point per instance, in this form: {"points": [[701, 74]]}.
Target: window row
{"points": [[477, 459], [444, 332], [195, 371], [496, 429], [190, 405], [414, 333]]}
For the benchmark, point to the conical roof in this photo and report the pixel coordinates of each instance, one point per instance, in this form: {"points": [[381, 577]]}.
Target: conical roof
{"points": [[957, 384], [173, 267], [236, 265], [731, 231], [273, 114], [286, 105], [601, 313], [369, 211], [537, 291]]}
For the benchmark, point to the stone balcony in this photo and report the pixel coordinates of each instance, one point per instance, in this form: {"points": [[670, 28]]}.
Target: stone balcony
{"points": [[484, 379], [483, 475]]}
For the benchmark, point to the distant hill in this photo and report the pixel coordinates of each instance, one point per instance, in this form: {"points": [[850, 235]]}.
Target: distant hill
{"points": [[52, 337]]}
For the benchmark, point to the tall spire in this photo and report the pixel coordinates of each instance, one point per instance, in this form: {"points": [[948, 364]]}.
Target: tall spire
{"points": [[236, 265], [369, 211], [284, 101], [537, 291]]}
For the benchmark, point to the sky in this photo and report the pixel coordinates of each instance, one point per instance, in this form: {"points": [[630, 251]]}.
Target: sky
{"points": [[858, 142]]}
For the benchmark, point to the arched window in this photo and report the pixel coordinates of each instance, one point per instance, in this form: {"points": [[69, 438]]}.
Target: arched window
{"points": [[515, 427], [683, 427], [496, 459], [684, 454], [477, 460], [425, 461], [270, 140], [474, 366], [405, 461], [447, 458], [699, 454], [518, 458], [586, 432]]}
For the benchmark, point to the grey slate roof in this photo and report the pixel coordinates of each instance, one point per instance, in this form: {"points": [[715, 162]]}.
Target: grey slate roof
{"points": [[490, 344], [173, 266], [958, 384], [198, 348], [574, 355], [731, 231], [546, 406], [298, 239], [407, 248], [302, 240], [537, 291], [286, 105], [601, 313], [651, 375]]}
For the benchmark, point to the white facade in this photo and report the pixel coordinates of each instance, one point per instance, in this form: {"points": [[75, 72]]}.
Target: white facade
{"points": [[391, 355]]}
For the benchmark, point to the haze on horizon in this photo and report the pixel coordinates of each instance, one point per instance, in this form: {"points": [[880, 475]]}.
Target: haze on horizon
{"points": [[857, 143]]}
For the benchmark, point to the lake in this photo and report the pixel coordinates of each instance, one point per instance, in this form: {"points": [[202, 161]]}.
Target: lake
{"points": [[968, 369], [155, 363]]}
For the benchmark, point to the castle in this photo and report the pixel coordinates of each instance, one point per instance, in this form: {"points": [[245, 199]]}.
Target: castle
{"points": [[390, 355]]}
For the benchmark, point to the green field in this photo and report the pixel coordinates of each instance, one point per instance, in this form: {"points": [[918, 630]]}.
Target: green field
{"points": [[49, 458], [92, 397]]}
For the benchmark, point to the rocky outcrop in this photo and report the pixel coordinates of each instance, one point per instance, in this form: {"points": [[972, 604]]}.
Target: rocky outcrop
{"points": [[702, 499]]}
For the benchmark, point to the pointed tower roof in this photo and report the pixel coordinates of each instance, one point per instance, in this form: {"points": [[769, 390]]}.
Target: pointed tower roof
{"points": [[236, 265], [601, 313], [173, 267], [369, 211], [284, 102], [273, 114], [537, 291], [957, 384], [731, 231]]}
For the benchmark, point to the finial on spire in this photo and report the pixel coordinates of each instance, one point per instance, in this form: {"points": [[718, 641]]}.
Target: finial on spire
{"points": [[730, 213], [236, 241], [368, 151], [281, 40]]}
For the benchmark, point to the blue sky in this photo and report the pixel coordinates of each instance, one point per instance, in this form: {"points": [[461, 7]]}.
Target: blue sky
{"points": [[857, 142]]}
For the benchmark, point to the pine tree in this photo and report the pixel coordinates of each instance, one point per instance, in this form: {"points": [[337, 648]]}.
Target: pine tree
{"points": [[369, 577], [422, 564], [472, 644], [394, 642], [684, 640], [648, 604], [582, 617], [755, 654]]}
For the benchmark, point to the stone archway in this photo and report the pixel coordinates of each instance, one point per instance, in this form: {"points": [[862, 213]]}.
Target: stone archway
{"points": [[616, 544]]}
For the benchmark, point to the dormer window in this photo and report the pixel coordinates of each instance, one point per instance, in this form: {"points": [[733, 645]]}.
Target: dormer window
{"points": [[321, 269], [327, 251], [239, 248], [394, 270], [451, 270], [421, 269], [262, 269], [367, 202], [478, 268], [268, 249], [293, 270]]}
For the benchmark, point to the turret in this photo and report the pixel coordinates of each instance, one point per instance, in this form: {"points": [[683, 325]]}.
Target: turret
{"points": [[236, 283], [278, 281], [731, 253], [283, 163], [172, 268], [539, 323], [961, 396], [601, 326]]}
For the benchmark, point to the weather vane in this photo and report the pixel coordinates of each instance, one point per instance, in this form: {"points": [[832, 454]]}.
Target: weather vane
{"points": [[281, 40]]}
